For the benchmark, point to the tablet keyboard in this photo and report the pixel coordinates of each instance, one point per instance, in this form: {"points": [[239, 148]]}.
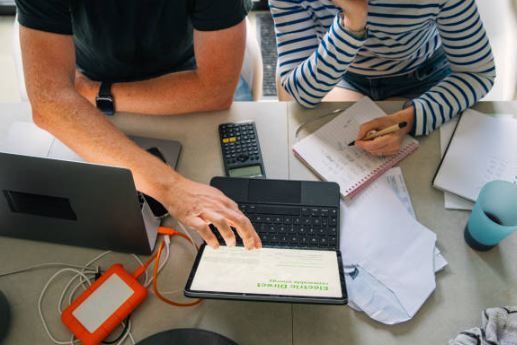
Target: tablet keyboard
{"points": [[289, 226]]}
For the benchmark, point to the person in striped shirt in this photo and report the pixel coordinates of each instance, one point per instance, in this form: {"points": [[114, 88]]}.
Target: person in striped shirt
{"points": [[435, 53]]}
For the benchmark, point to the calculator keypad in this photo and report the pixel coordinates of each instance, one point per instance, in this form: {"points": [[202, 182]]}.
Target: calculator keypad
{"points": [[240, 144]]}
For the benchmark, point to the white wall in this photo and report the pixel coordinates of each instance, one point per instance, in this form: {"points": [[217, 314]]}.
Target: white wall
{"points": [[500, 19]]}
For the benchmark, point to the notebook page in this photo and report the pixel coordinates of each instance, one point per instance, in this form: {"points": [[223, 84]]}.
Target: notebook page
{"points": [[482, 150], [326, 151]]}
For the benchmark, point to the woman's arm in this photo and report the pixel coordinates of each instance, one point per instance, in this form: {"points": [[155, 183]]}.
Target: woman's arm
{"points": [[470, 57], [310, 68]]}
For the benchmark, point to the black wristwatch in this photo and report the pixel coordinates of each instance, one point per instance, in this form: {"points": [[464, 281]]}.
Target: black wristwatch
{"points": [[104, 99]]}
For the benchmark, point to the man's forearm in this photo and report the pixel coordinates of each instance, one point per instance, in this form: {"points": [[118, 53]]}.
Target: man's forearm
{"points": [[219, 56], [175, 93], [79, 125]]}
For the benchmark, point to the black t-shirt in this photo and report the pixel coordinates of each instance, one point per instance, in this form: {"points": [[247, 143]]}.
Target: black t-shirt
{"points": [[127, 40]]}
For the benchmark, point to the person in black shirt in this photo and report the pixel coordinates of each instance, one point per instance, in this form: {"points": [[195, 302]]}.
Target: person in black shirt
{"points": [[158, 57]]}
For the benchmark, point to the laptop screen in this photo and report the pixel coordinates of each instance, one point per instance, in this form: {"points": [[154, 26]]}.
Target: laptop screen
{"points": [[269, 271]]}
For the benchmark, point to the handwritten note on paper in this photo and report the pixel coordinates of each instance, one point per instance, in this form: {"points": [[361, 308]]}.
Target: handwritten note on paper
{"points": [[482, 150], [327, 152]]}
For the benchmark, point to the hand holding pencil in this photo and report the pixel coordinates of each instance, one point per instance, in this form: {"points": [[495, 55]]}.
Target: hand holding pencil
{"points": [[383, 136]]}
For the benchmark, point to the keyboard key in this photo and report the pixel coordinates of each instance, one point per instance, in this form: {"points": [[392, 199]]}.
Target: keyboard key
{"points": [[313, 241], [278, 210], [332, 231], [251, 208], [278, 220], [302, 230], [322, 232], [333, 221], [306, 211], [306, 220], [324, 221], [332, 241], [282, 229], [315, 212], [292, 229], [297, 220], [271, 228], [288, 220], [268, 219], [333, 212], [323, 242], [293, 239], [316, 221]]}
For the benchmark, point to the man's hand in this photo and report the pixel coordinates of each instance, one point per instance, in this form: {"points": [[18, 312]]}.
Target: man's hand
{"points": [[389, 144], [86, 87], [355, 13], [197, 205]]}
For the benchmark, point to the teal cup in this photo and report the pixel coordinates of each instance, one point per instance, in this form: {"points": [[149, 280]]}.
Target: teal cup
{"points": [[494, 216]]}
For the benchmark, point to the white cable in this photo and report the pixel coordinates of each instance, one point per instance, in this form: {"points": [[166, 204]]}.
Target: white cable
{"points": [[65, 291], [132, 339], [163, 262], [141, 263], [40, 301], [126, 335], [45, 265], [187, 232]]}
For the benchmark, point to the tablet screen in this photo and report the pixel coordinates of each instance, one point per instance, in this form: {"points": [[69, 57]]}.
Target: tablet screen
{"points": [[269, 271]]}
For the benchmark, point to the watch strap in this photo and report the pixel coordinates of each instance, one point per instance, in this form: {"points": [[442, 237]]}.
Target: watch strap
{"points": [[105, 89]]}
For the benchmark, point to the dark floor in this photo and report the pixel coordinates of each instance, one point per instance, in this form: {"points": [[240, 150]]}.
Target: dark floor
{"points": [[268, 47]]}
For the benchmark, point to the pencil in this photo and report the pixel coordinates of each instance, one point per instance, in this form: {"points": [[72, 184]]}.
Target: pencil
{"points": [[387, 130]]}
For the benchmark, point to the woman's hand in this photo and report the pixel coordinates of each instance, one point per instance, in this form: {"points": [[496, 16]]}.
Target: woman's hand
{"points": [[389, 144], [355, 13]]}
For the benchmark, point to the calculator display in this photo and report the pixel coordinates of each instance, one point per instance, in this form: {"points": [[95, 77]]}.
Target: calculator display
{"points": [[249, 171]]}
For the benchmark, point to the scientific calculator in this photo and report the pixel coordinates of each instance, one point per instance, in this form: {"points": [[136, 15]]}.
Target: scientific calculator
{"points": [[241, 150]]}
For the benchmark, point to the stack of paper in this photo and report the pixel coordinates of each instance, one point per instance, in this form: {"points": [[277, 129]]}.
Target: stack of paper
{"points": [[390, 258], [480, 150]]}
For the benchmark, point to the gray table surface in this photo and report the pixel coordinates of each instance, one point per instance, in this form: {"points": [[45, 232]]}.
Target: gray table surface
{"points": [[471, 282], [245, 322]]}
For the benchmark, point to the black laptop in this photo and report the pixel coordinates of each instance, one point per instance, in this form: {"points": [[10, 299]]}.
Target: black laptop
{"points": [[298, 222], [79, 203]]}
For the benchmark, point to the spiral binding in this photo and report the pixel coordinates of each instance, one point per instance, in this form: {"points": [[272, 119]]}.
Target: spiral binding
{"points": [[365, 181]]}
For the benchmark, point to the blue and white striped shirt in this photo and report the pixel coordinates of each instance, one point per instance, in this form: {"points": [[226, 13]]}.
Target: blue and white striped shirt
{"points": [[315, 50]]}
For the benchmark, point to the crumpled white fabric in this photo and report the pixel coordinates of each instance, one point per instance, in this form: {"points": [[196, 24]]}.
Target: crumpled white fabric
{"points": [[498, 327]]}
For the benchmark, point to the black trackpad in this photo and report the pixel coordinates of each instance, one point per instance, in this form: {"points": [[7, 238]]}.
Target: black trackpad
{"points": [[274, 191]]}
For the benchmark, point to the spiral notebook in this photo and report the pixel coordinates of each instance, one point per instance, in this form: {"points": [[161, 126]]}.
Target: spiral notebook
{"points": [[326, 151]]}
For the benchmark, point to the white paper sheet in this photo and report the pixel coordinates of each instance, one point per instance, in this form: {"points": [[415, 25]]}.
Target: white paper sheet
{"points": [[452, 201], [25, 138], [482, 150], [381, 237], [395, 180]]}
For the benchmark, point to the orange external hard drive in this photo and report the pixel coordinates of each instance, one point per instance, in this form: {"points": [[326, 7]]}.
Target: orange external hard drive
{"points": [[104, 305]]}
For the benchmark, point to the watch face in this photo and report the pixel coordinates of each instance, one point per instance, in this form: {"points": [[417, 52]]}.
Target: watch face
{"points": [[105, 104]]}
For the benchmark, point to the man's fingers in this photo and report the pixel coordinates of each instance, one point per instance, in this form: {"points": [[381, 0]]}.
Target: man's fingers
{"points": [[243, 226], [204, 231], [222, 226]]}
